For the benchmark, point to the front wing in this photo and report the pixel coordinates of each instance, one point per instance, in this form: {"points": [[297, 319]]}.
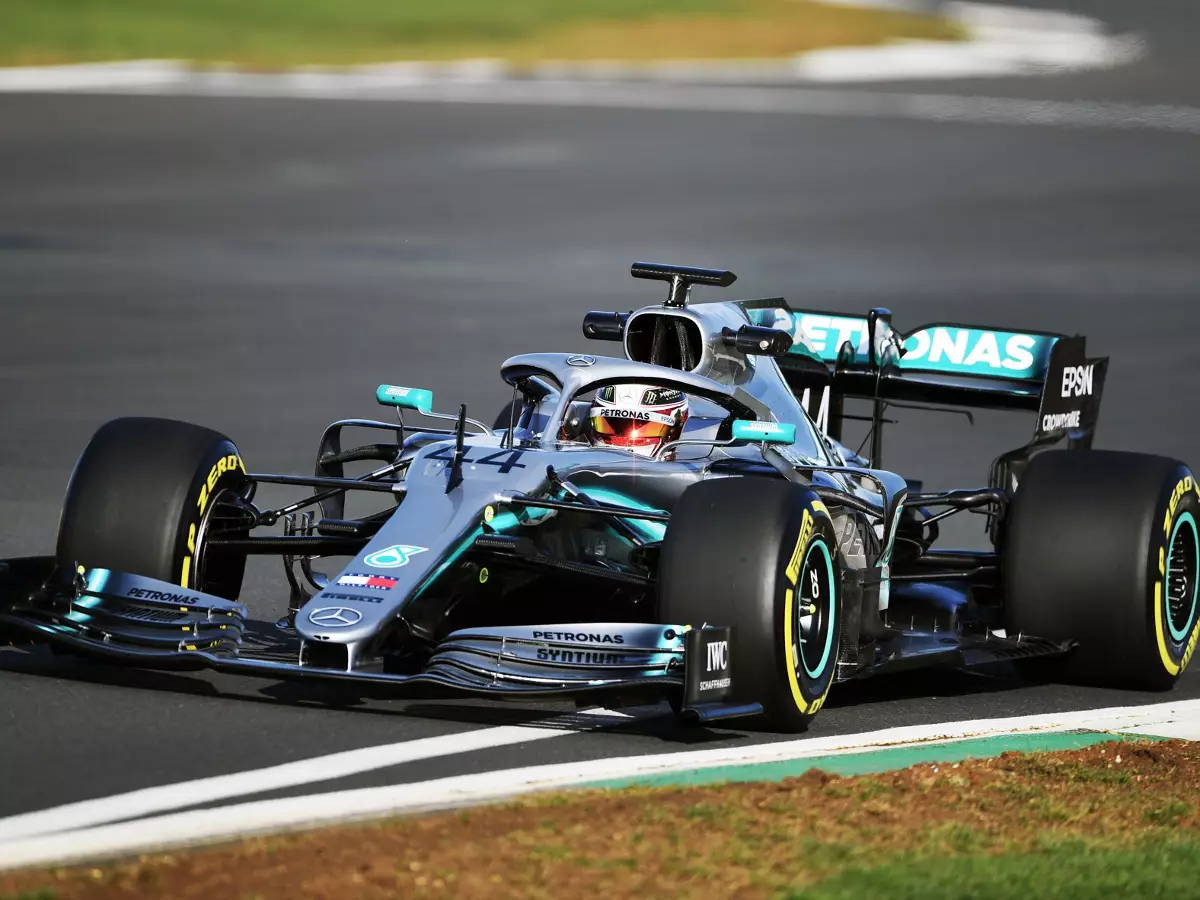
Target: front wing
{"points": [[118, 618]]}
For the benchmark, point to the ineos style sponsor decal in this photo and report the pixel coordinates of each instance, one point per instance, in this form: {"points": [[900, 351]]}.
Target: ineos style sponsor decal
{"points": [[393, 557], [375, 582]]}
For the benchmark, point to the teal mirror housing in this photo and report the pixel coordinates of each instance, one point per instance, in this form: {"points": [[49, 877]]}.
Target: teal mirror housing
{"points": [[405, 397], [764, 432]]}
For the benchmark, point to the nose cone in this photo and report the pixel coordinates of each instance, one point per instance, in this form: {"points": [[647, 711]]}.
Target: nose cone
{"points": [[330, 620]]}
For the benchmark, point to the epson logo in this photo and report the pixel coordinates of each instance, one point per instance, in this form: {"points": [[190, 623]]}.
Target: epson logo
{"points": [[718, 656], [581, 638], [1077, 381]]}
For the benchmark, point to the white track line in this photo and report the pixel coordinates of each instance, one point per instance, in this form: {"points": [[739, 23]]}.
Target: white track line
{"points": [[306, 771], [292, 813], [810, 102], [946, 108], [400, 87]]}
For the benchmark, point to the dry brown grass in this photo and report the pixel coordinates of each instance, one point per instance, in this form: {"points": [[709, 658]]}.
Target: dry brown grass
{"points": [[738, 840]]}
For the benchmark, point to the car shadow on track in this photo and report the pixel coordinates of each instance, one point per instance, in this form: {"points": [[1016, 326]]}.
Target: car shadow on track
{"points": [[653, 722], [925, 684]]}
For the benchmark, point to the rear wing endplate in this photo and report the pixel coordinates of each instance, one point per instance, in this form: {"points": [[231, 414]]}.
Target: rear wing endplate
{"points": [[835, 356]]}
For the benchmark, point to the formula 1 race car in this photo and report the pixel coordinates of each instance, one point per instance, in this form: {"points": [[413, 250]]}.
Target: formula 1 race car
{"points": [[684, 524]]}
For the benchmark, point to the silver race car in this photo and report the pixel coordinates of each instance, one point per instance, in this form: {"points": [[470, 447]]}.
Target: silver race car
{"points": [[682, 524]]}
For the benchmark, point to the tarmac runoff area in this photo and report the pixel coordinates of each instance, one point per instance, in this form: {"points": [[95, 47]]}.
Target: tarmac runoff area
{"points": [[107, 828]]}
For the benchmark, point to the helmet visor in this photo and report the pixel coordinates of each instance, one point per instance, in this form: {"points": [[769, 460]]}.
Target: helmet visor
{"points": [[630, 428]]}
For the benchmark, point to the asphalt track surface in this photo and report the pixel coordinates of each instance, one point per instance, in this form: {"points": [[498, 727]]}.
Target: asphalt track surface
{"points": [[259, 266]]}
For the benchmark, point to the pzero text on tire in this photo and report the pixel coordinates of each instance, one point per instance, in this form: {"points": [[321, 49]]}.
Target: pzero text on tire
{"points": [[1103, 548], [144, 495], [760, 555]]}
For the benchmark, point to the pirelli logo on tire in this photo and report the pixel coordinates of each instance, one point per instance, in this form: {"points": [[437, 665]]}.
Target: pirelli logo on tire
{"points": [[228, 464]]}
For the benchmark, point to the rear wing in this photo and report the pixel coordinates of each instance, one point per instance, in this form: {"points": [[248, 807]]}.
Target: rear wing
{"points": [[835, 356]]}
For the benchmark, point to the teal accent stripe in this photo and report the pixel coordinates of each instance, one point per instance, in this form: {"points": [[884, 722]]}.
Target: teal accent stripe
{"points": [[832, 604], [875, 761], [1179, 635], [500, 523], [650, 531]]}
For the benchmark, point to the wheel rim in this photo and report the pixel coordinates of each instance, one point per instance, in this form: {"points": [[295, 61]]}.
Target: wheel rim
{"points": [[1183, 566], [223, 518], [816, 611]]}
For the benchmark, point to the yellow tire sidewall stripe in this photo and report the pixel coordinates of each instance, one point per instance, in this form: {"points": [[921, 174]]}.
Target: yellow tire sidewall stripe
{"points": [[1182, 489], [808, 533]]}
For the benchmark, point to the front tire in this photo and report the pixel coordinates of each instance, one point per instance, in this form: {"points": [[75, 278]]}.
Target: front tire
{"points": [[1104, 548], [759, 555], [144, 494]]}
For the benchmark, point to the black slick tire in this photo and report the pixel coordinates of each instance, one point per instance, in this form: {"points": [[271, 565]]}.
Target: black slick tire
{"points": [[1103, 548], [141, 498], [760, 555]]}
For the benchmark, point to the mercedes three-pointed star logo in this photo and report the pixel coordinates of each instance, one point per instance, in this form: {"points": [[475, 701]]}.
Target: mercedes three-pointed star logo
{"points": [[581, 360], [335, 617]]}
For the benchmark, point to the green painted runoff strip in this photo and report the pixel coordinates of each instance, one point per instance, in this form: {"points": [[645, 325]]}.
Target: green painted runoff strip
{"points": [[883, 760]]}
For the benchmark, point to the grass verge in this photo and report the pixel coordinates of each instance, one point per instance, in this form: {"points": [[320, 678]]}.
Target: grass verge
{"points": [[1116, 819], [283, 33]]}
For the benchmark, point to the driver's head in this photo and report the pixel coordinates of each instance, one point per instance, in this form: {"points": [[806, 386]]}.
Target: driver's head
{"points": [[640, 417]]}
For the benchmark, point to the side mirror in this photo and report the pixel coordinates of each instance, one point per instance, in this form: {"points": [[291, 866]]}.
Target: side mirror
{"points": [[764, 432], [757, 340], [605, 326], [405, 398]]}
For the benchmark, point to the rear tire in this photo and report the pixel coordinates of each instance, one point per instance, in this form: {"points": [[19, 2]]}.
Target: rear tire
{"points": [[141, 498], [754, 553], [1103, 548]]}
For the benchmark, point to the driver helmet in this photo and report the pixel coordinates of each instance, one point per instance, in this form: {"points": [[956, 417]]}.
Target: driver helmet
{"points": [[638, 417]]}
